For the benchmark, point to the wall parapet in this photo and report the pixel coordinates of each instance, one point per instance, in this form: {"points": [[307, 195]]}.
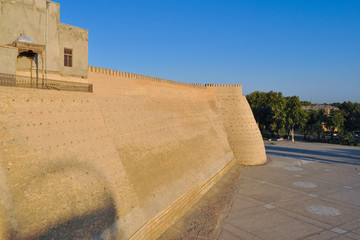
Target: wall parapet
{"points": [[141, 77], [222, 85], [155, 79]]}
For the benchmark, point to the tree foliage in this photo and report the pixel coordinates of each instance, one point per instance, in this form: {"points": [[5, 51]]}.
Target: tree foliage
{"points": [[281, 115], [313, 123], [335, 121], [258, 104], [306, 103], [352, 116], [295, 116], [276, 113]]}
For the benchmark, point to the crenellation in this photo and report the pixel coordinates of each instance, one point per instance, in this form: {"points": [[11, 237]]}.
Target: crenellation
{"points": [[222, 85], [140, 77]]}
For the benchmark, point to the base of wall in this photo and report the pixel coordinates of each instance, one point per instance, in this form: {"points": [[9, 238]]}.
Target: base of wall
{"points": [[153, 228]]}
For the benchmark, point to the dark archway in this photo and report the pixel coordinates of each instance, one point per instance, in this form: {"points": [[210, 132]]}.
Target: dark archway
{"points": [[32, 56], [32, 52]]}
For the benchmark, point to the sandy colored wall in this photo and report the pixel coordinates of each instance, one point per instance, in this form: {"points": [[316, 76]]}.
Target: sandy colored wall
{"points": [[76, 39], [24, 17], [28, 17], [126, 160], [7, 59], [242, 131]]}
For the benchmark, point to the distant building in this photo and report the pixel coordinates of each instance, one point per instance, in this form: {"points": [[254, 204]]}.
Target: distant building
{"points": [[35, 44], [327, 108]]}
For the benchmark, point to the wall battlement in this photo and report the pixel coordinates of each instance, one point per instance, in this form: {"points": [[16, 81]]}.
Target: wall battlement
{"points": [[223, 85], [124, 162], [111, 72]]}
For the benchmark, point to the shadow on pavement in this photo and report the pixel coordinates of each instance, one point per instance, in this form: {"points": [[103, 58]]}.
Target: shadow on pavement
{"points": [[320, 156], [354, 152]]}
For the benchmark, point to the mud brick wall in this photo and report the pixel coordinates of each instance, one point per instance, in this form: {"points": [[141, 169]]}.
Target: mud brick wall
{"points": [[125, 161]]}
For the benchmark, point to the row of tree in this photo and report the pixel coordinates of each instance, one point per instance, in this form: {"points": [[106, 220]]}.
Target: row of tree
{"points": [[281, 115]]}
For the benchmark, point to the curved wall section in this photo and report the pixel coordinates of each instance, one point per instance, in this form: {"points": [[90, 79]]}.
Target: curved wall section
{"points": [[124, 162], [242, 131]]}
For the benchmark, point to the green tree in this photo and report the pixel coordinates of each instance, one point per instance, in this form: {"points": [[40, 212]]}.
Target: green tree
{"points": [[295, 116], [352, 116], [337, 104], [335, 121], [275, 113], [257, 101], [313, 123], [305, 103]]}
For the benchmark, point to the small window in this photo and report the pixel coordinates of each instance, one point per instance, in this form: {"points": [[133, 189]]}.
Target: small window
{"points": [[67, 57]]}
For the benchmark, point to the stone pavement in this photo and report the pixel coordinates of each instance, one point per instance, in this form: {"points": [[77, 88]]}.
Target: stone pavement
{"points": [[305, 191]]}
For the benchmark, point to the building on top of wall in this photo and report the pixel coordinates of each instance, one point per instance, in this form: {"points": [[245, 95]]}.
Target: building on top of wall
{"points": [[33, 42]]}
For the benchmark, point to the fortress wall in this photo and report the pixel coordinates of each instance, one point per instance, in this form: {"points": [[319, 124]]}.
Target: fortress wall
{"points": [[60, 164], [128, 159], [242, 131], [167, 137]]}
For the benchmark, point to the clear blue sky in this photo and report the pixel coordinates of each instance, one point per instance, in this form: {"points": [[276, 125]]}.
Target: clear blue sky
{"points": [[308, 48]]}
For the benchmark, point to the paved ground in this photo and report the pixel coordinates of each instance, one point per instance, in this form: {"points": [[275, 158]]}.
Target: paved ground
{"points": [[306, 191]]}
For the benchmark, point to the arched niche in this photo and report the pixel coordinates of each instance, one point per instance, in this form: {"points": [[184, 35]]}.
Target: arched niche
{"points": [[29, 56]]}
